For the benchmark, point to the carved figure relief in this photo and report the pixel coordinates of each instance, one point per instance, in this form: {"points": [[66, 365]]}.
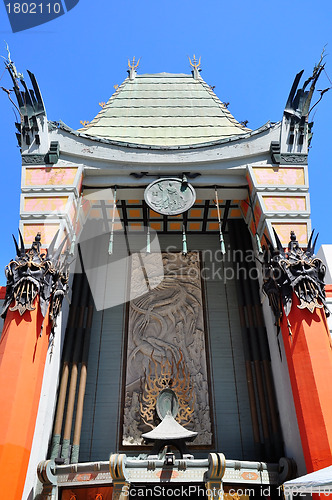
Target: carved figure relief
{"points": [[169, 196], [166, 348]]}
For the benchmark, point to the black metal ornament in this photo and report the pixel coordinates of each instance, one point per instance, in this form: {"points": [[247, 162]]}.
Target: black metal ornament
{"points": [[34, 273], [296, 271]]}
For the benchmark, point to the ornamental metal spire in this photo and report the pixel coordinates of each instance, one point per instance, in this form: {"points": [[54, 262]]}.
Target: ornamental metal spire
{"points": [[196, 67], [11, 66], [132, 68]]}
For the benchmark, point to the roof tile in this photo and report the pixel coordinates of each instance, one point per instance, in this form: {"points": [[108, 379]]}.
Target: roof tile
{"points": [[164, 110]]}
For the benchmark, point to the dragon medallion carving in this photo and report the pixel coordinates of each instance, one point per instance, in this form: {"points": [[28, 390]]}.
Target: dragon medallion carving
{"points": [[166, 348]]}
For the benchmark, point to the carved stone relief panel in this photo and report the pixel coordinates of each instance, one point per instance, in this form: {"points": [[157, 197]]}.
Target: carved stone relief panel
{"points": [[166, 347]]}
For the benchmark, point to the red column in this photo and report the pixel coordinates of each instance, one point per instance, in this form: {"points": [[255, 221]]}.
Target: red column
{"points": [[309, 357], [22, 360]]}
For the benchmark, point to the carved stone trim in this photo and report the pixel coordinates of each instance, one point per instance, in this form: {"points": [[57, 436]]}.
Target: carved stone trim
{"points": [[50, 158], [214, 475], [217, 467], [166, 347], [294, 158], [138, 470], [45, 472], [117, 467], [286, 158], [53, 154], [33, 159], [287, 469], [275, 151]]}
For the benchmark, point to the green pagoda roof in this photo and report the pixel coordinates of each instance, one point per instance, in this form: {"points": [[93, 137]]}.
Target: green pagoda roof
{"points": [[164, 110]]}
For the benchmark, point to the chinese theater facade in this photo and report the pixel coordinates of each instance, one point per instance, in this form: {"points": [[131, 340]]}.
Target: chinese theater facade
{"points": [[165, 326]]}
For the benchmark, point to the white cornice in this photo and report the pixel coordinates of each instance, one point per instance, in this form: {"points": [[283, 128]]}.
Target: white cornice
{"points": [[251, 147]]}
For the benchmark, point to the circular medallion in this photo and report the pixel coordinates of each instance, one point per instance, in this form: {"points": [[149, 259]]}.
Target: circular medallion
{"points": [[170, 196], [167, 402]]}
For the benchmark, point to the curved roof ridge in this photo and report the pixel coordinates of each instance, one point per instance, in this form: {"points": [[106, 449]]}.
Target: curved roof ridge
{"points": [[223, 107], [101, 113], [225, 140]]}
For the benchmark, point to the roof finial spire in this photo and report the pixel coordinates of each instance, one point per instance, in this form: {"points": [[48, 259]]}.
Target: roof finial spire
{"points": [[132, 68], [11, 66], [196, 66]]}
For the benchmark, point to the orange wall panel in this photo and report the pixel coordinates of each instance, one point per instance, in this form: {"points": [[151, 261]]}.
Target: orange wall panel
{"points": [[194, 226], [257, 213], [134, 213], [235, 213], [47, 232], [154, 214], [252, 228], [244, 205], [283, 230], [45, 204], [136, 226], [213, 226], [285, 203], [80, 184], [175, 226], [196, 213], [88, 493], [50, 176], [213, 213], [281, 176], [72, 213]]}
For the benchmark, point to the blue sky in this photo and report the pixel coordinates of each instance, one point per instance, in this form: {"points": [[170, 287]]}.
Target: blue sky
{"points": [[250, 52]]}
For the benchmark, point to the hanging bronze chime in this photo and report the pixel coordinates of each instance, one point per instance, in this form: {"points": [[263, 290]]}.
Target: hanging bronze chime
{"points": [[221, 236]]}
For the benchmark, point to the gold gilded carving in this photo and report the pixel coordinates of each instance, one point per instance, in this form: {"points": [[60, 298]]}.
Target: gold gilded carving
{"points": [[132, 65], [194, 63], [161, 376]]}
